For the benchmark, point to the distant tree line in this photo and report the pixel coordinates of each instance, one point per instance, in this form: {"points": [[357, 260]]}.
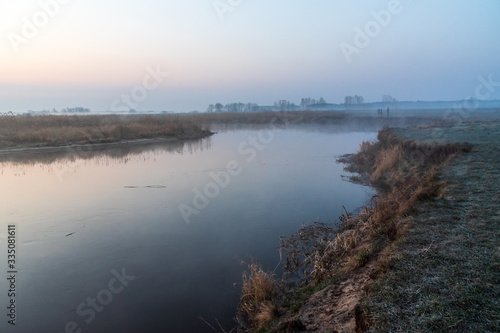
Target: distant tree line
{"points": [[281, 105], [388, 99], [233, 107], [77, 109], [308, 101], [350, 100], [284, 105]]}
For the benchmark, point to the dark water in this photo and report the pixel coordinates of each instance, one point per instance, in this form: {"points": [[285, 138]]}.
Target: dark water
{"points": [[103, 246]]}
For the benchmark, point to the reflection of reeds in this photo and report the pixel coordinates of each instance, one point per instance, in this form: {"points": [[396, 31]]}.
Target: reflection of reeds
{"points": [[52, 130], [117, 152]]}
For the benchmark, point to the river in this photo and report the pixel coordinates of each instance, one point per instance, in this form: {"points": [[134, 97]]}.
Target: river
{"points": [[151, 238]]}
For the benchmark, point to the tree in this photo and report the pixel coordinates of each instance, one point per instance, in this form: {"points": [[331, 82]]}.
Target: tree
{"points": [[210, 108], [388, 99], [253, 107], [305, 102], [308, 101], [358, 99], [349, 100], [218, 107], [284, 105]]}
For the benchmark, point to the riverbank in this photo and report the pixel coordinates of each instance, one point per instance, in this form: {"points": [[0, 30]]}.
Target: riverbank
{"points": [[445, 274], [50, 132], [56, 132], [422, 257], [46, 134], [35, 131]]}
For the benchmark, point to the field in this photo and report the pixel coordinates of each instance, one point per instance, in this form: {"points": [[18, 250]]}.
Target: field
{"points": [[445, 273]]}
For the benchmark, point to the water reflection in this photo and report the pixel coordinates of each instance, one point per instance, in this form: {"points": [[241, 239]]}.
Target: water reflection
{"points": [[114, 151], [79, 218]]}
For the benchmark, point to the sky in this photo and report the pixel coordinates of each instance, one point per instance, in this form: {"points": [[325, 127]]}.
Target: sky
{"points": [[182, 55]]}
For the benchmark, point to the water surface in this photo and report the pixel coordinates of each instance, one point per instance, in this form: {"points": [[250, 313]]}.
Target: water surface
{"points": [[84, 217]]}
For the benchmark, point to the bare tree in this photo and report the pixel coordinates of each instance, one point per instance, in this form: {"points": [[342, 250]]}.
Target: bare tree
{"points": [[358, 99], [218, 107], [284, 105], [388, 99]]}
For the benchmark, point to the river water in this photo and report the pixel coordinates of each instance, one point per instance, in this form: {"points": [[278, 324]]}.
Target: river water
{"points": [[151, 238]]}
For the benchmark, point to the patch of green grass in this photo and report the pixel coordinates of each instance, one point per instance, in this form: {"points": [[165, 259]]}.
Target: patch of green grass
{"points": [[363, 258]]}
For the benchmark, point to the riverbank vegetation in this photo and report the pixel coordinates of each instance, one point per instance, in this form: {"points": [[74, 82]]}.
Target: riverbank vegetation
{"points": [[329, 269], [54, 130], [445, 274], [62, 130]]}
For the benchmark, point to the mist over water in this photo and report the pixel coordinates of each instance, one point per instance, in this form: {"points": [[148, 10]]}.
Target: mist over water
{"points": [[84, 219]]}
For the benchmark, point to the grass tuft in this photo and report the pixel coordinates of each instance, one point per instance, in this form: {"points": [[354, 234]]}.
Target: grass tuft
{"points": [[258, 291]]}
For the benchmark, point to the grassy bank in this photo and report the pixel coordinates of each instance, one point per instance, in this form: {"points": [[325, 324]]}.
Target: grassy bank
{"points": [[52, 130], [445, 273], [330, 270]]}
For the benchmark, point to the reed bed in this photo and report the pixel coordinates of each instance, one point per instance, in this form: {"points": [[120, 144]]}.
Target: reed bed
{"points": [[57, 130]]}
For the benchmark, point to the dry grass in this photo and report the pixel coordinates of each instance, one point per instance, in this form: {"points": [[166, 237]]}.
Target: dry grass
{"points": [[258, 291], [404, 171], [266, 313], [385, 162], [320, 257], [52, 130]]}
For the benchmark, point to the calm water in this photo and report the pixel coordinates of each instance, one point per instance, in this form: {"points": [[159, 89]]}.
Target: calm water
{"points": [[104, 243]]}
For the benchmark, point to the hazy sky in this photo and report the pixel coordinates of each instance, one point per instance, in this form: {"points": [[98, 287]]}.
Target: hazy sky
{"points": [[58, 53]]}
